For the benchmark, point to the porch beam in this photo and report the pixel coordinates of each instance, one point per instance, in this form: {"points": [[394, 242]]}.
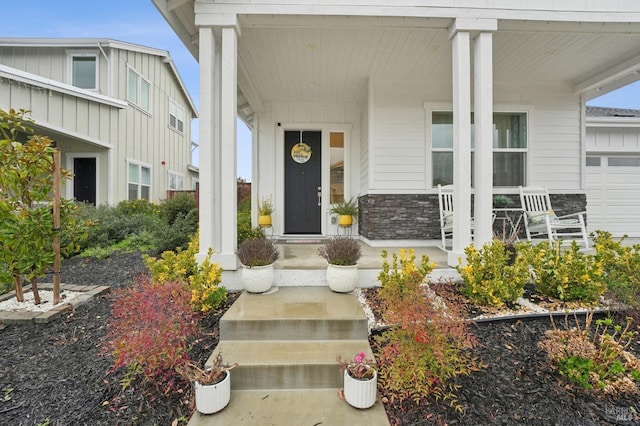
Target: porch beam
{"points": [[461, 79], [483, 122]]}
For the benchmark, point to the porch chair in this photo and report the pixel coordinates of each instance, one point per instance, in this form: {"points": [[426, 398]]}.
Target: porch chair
{"points": [[540, 219], [445, 201]]}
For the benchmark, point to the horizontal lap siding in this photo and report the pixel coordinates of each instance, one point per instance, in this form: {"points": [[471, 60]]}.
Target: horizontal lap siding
{"points": [[555, 145], [400, 153]]}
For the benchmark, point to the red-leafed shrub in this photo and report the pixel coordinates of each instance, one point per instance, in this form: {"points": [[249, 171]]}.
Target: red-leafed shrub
{"points": [[149, 330]]}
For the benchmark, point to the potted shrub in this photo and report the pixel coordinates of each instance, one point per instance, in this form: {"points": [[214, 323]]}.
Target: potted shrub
{"points": [[265, 209], [360, 380], [257, 256], [346, 210], [212, 385], [342, 255]]}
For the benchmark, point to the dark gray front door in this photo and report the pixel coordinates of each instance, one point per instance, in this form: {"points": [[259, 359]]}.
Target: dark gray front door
{"points": [[302, 182], [84, 180]]}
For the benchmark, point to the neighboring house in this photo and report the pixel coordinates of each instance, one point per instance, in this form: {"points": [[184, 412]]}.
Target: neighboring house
{"points": [[119, 112], [613, 170], [382, 96]]}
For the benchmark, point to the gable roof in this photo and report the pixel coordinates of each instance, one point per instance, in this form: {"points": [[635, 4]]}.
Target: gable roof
{"points": [[597, 111], [100, 43]]}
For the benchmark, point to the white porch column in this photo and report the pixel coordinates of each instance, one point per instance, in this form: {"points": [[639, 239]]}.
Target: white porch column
{"points": [[461, 70], [207, 60], [483, 119], [226, 205]]}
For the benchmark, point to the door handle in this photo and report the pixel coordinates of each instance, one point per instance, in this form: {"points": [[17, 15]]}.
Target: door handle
{"points": [[319, 196]]}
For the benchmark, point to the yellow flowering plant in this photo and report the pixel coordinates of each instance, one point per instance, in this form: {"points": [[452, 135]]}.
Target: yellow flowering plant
{"points": [[204, 279], [566, 273], [488, 277]]}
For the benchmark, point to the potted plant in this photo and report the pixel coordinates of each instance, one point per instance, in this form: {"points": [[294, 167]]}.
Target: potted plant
{"points": [[265, 209], [346, 210], [360, 380], [257, 256], [342, 255], [212, 385], [501, 201]]}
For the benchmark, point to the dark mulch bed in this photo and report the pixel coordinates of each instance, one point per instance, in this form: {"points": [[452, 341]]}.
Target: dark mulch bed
{"points": [[57, 373]]}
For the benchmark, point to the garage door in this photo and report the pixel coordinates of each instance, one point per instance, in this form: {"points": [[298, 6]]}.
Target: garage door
{"points": [[613, 197]]}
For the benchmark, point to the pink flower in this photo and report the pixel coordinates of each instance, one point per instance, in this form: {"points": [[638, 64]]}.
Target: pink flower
{"points": [[359, 357]]}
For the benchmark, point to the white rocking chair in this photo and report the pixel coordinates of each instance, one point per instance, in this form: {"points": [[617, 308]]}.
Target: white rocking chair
{"points": [[445, 200], [540, 219]]}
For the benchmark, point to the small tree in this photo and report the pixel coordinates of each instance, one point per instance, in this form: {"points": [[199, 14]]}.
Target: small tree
{"points": [[26, 208]]}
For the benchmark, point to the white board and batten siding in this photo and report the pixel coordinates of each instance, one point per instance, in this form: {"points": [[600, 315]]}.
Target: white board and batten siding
{"points": [[130, 133], [613, 179]]}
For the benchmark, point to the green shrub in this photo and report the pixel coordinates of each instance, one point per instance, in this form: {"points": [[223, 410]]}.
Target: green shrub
{"points": [[488, 277], [203, 280], [179, 206], [427, 344], [621, 265], [115, 224], [245, 231], [566, 274], [595, 361], [171, 236]]}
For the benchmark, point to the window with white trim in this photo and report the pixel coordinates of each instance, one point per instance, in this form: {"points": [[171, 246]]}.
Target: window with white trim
{"points": [[176, 116], [176, 181], [84, 70], [509, 148], [139, 182], [138, 90]]}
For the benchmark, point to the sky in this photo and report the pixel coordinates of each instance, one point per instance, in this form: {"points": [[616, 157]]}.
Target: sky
{"points": [[139, 22], [133, 21]]}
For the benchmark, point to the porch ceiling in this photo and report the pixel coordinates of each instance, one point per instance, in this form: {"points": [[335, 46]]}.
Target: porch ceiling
{"points": [[299, 58], [332, 64]]}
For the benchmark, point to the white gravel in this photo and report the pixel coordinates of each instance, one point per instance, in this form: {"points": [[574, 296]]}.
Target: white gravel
{"points": [[46, 297]]}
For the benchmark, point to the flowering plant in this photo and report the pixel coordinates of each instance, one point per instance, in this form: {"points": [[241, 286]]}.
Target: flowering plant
{"points": [[359, 368]]}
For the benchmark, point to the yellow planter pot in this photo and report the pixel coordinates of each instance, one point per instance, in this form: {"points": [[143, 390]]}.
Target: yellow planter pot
{"points": [[345, 220], [264, 220]]}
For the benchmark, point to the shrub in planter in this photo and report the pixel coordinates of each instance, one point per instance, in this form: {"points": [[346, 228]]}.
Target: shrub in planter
{"points": [[257, 252], [341, 251], [212, 385]]}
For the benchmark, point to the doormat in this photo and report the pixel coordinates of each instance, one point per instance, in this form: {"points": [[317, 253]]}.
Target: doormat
{"points": [[302, 241]]}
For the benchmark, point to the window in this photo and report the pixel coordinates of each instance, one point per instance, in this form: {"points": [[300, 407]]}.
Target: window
{"points": [[593, 161], [139, 182], [84, 70], [176, 116], [623, 162], [138, 90], [509, 148], [176, 181]]}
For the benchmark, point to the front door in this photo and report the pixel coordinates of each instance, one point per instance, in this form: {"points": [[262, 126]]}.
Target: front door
{"points": [[302, 182], [84, 180]]}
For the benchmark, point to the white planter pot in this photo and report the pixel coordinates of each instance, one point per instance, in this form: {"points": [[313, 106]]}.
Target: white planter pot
{"points": [[360, 393], [257, 279], [213, 398], [342, 279]]}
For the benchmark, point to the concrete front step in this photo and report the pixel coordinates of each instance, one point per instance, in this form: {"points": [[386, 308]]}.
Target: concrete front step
{"points": [[294, 313], [288, 364], [291, 407]]}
